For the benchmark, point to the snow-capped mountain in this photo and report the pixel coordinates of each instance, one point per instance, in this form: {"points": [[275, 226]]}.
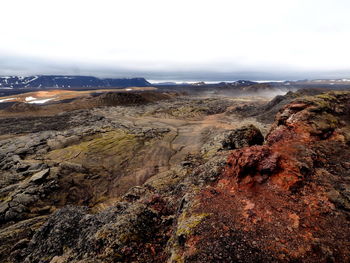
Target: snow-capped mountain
{"points": [[54, 81]]}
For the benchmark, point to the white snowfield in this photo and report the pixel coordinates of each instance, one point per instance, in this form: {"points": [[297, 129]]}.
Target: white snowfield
{"points": [[40, 101], [3, 100], [29, 98]]}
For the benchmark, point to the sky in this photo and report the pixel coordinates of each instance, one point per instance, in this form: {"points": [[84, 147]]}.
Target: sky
{"points": [[177, 40]]}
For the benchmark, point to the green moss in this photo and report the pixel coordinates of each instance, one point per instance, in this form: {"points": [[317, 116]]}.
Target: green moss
{"points": [[185, 227], [166, 180], [210, 153], [176, 258], [116, 145], [186, 224], [188, 111], [325, 122], [323, 104], [326, 96]]}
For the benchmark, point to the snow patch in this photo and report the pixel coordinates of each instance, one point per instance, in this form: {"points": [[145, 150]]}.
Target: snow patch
{"points": [[29, 98], [40, 101], [30, 79], [3, 100]]}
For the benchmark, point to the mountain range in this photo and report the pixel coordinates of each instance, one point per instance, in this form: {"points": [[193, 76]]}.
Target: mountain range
{"points": [[58, 81]]}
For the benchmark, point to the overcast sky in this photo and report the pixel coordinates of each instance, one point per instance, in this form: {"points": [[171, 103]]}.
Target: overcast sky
{"points": [[178, 39]]}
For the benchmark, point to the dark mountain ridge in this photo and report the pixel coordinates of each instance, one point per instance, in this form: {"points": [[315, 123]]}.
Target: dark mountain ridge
{"points": [[58, 81]]}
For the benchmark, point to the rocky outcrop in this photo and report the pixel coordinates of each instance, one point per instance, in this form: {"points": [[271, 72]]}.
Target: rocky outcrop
{"points": [[266, 113], [245, 136], [287, 199]]}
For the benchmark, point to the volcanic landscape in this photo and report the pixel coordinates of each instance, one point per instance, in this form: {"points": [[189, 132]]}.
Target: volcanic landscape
{"points": [[242, 172]]}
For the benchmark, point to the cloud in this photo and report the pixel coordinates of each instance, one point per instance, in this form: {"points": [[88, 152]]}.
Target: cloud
{"points": [[158, 36], [25, 66]]}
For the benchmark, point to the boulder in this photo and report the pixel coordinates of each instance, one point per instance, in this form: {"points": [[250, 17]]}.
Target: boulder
{"points": [[242, 137]]}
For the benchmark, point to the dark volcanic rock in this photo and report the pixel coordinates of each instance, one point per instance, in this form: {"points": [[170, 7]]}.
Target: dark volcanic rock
{"points": [[115, 98], [125, 233], [126, 98], [69, 120], [242, 137], [22, 107], [266, 113]]}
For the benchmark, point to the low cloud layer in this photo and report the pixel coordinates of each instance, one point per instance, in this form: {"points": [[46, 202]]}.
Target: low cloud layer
{"points": [[24, 66]]}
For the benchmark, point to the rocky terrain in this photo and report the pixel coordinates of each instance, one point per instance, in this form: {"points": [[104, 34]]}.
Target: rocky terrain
{"points": [[166, 177]]}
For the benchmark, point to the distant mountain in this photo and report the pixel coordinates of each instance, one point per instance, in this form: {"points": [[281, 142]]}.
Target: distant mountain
{"points": [[201, 83], [55, 81], [244, 83], [238, 83], [167, 83]]}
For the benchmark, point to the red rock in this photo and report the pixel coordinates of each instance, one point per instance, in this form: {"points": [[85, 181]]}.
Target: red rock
{"points": [[277, 194]]}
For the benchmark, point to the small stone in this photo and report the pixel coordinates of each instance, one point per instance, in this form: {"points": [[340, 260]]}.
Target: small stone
{"points": [[35, 166], [3, 207], [16, 158], [23, 199], [186, 163], [346, 165], [40, 175]]}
